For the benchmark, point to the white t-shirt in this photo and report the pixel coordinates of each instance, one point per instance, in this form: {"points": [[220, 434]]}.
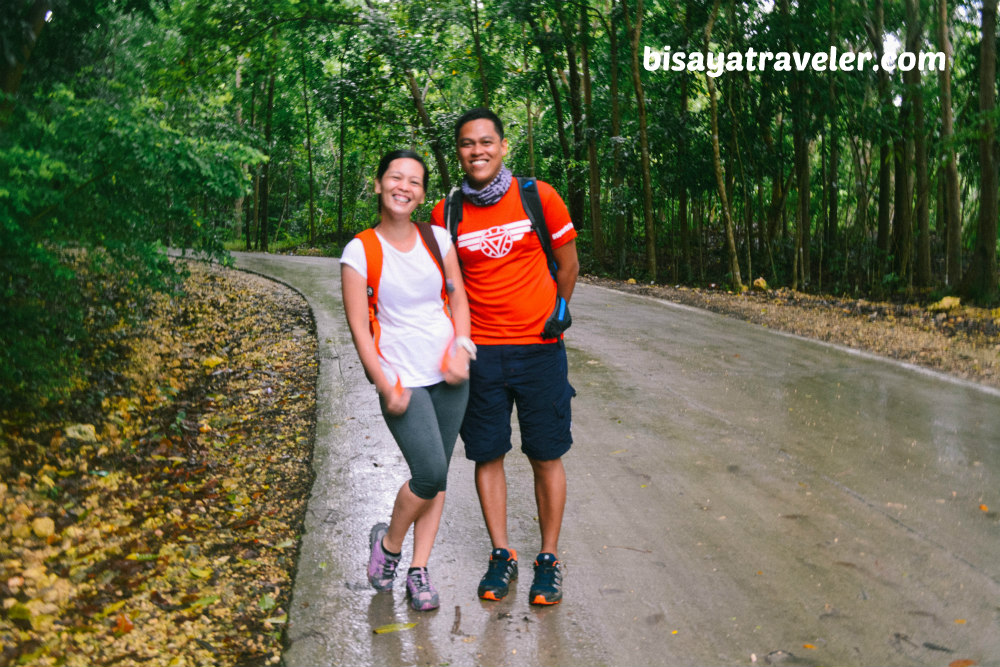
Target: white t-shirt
{"points": [[415, 329]]}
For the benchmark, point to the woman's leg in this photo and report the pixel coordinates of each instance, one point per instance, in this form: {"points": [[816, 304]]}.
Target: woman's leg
{"points": [[412, 510], [449, 407], [434, 412], [425, 529]]}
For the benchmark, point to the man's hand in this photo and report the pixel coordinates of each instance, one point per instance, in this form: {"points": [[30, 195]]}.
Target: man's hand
{"points": [[558, 321]]}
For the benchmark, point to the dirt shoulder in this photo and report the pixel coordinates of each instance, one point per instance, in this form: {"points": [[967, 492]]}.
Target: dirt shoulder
{"points": [[161, 525], [961, 341]]}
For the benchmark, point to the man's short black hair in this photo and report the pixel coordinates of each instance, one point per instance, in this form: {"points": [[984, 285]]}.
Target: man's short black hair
{"points": [[477, 114]]}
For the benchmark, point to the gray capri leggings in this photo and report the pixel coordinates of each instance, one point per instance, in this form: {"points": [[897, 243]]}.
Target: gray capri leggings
{"points": [[426, 434]]}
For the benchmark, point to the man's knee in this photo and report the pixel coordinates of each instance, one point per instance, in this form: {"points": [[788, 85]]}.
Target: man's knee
{"points": [[546, 467]]}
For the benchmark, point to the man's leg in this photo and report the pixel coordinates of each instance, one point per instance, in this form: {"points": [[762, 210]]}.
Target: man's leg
{"points": [[550, 496], [491, 485]]}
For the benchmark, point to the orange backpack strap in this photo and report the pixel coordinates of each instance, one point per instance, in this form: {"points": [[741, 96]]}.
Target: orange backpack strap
{"points": [[373, 258]]}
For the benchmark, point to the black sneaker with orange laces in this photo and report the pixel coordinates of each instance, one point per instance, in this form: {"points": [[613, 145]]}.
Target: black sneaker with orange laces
{"points": [[502, 570]]}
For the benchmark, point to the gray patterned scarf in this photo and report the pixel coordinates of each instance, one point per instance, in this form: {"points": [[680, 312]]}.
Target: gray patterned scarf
{"points": [[493, 192]]}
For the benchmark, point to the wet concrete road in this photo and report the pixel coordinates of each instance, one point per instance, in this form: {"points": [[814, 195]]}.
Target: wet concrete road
{"points": [[735, 496]]}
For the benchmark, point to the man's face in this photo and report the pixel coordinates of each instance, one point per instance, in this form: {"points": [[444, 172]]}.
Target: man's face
{"points": [[480, 151]]}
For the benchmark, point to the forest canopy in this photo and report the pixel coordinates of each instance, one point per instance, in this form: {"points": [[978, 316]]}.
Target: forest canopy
{"points": [[131, 126]]}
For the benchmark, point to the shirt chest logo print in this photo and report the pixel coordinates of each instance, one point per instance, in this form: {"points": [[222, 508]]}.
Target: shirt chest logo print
{"points": [[496, 241]]}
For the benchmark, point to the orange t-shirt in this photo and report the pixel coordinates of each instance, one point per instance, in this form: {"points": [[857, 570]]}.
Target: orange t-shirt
{"points": [[511, 292]]}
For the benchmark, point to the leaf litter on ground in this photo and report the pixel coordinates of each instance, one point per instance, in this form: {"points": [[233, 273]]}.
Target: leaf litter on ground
{"points": [[159, 525]]}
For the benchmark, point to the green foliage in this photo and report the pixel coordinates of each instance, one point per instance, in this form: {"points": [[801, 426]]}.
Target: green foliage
{"points": [[143, 124], [97, 180]]}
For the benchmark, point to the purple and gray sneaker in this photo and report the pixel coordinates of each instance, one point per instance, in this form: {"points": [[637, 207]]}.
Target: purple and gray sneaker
{"points": [[422, 594], [381, 566]]}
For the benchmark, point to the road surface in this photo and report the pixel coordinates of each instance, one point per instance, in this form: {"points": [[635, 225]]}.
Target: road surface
{"points": [[736, 496]]}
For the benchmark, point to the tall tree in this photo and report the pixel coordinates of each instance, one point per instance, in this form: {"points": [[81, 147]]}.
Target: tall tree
{"points": [[953, 225], [914, 37], [720, 177], [633, 28], [876, 34], [980, 280], [484, 88], [309, 152], [594, 168]]}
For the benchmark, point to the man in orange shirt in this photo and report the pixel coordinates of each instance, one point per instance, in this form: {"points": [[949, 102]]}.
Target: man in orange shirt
{"points": [[519, 311]]}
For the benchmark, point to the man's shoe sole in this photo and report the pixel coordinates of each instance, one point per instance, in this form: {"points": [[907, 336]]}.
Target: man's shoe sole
{"points": [[540, 600]]}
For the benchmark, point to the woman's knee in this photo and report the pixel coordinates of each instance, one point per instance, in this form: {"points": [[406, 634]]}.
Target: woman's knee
{"points": [[426, 487]]}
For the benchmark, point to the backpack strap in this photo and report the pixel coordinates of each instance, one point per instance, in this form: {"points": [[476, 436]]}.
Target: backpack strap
{"points": [[531, 202], [427, 236], [373, 259], [453, 214]]}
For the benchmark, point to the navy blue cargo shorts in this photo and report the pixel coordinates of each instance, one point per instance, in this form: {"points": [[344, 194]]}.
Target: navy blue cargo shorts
{"points": [[533, 377]]}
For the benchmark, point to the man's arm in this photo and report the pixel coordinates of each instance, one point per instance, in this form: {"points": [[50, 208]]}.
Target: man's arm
{"points": [[567, 269]]}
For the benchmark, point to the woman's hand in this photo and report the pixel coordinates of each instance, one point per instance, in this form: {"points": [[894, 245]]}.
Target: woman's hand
{"points": [[397, 399], [456, 371]]}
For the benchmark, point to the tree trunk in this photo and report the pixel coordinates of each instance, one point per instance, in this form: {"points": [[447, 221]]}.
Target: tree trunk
{"points": [[617, 172], [800, 263], [833, 183], [953, 224], [634, 30], [527, 107], [902, 224], [543, 41], [340, 173], [720, 176], [682, 213], [477, 42], [432, 135], [12, 66], [309, 155], [265, 183], [238, 202], [914, 34], [980, 282], [883, 240], [596, 227], [577, 196]]}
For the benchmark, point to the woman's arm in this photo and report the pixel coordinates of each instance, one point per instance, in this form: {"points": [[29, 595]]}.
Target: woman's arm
{"points": [[457, 370], [354, 288]]}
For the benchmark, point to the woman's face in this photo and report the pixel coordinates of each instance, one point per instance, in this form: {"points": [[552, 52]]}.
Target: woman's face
{"points": [[480, 151], [401, 187]]}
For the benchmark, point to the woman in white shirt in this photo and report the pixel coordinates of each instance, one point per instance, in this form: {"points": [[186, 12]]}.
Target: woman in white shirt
{"points": [[420, 365]]}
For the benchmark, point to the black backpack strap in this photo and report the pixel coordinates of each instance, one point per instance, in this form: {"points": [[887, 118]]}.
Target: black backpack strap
{"points": [[453, 214], [428, 235], [532, 204]]}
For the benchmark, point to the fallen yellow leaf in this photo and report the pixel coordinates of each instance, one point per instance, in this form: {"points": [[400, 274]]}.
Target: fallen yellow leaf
{"points": [[393, 627], [808, 646]]}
